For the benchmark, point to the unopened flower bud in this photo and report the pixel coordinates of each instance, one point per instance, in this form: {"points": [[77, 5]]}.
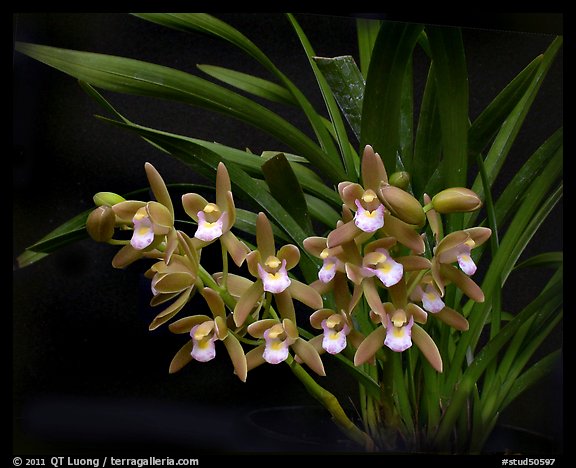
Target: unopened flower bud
{"points": [[400, 179], [456, 200], [100, 224], [107, 198], [402, 205]]}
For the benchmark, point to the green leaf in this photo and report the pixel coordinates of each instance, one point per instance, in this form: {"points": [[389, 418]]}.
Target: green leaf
{"points": [[347, 85], [428, 144], [381, 114], [452, 98], [285, 188], [541, 160], [251, 84], [65, 234], [331, 105], [141, 78], [246, 222], [535, 373], [406, 119], [201, 22], [487, 124], [367, 32], [548, 259], [550, 298], [322, 211], [247, 161], [513, 123]]}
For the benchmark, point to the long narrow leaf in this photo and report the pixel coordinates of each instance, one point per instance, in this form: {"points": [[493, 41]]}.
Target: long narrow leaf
{"points": [[367, 32], [509, 130], [130, 76], [251, 84], [207, 24], [330, 102]]}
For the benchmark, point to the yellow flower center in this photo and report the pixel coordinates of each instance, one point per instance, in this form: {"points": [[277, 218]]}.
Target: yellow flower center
{"points": [[398, 332], [273, 262]]}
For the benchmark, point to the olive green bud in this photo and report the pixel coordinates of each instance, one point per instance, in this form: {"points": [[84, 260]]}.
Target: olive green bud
{"points": [[107, 198], [402, 205], [400, 179], [456, 200], [100, 224]]}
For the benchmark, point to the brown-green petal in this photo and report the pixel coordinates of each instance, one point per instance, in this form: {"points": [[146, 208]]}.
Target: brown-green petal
{"points": [[291, 254], [158, 187], [173, 282], [343, 233], [126, 210], [160, 216], [182, 357], [414, 262], [290, 329], [371, 344], [309, 356], [452, 318], [372, 296], [402, 205], [185, 324], [383, 243], [125, 256], [171, 310], [405, 233], [265, 236], [236, 285], [253, 259], [223, 185], [254, 357], [192, 204], [350, 193], [417, 312], [257, 329], [427, 346], [305, 294], [237, 249], [237, 356], [247, 302], [463, 282], [320, 315], [285, 305], [214, 301], [315, 245], [373, 170]]}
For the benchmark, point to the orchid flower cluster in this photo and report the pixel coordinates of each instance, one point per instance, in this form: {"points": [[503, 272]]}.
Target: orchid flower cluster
{"points": [[377, 252]]}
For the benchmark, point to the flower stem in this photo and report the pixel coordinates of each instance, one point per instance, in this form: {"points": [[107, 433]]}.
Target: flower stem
{"points": [[331, 403]]}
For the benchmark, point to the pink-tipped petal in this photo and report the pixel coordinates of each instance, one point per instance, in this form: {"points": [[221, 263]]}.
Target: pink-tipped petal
{"points": [[368, 221], [466, 264], [398, 339]]}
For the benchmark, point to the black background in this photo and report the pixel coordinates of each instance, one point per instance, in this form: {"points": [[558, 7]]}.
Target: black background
{"points": [[87, 373]]}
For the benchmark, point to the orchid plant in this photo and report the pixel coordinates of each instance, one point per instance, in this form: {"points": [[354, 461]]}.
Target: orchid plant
{"points": [[362, 246]]}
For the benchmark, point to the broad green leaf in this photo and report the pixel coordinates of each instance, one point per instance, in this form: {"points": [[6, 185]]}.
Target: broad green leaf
{"points": [[207, 24], [452, 100], [381, 111], [246, 222], [331, 105], [347, 85], [65, 234], [406, 119], [251, 84], [285, 188], [141, 78], [486, 125], [322, 211], [428, 144], [367, 32]]}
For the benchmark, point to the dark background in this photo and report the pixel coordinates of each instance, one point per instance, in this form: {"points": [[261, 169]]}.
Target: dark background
{"points": [[88, 376]]}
